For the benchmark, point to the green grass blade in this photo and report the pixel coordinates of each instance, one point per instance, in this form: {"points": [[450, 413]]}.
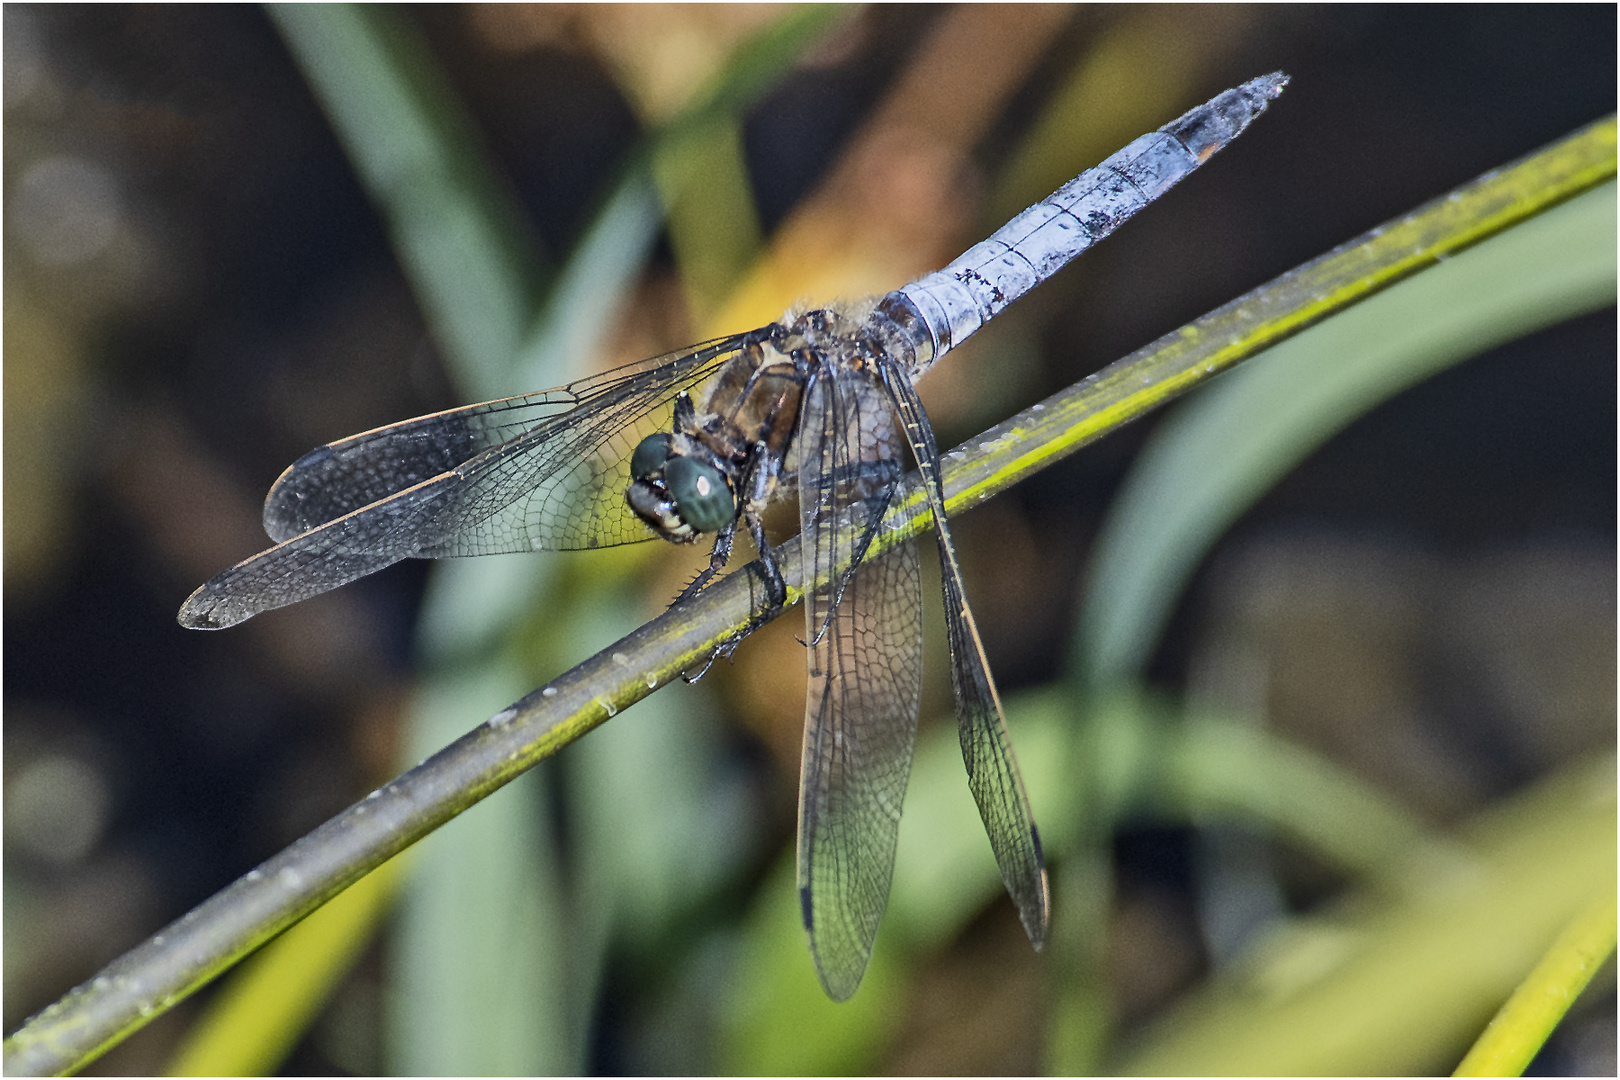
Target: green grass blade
{"points": [[255, 1020], [1398, 977], [1522, 1025]]}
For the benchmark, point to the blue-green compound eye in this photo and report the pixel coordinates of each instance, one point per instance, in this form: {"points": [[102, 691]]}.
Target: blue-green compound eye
{"points": [[700, 492], [650, 455]]}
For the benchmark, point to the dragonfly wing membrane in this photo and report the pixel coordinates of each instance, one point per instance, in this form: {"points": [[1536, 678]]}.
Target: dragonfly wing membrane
{"points": [[992, 770], [865, 678], [545, 471], [317, 561], [558, 488], [341, 477]]}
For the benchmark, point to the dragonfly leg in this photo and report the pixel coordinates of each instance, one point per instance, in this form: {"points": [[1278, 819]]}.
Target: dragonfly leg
{"points": [[685, 419], [775, 586], [875, 507], [717, 562], [759, 481], [721, 651]]}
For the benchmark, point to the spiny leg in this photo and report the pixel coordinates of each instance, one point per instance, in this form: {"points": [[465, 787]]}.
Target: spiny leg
{"points": [[717, 562]]}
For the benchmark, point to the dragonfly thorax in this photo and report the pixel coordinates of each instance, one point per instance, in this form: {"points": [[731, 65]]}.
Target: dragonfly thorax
{"points": [[727, 450]]}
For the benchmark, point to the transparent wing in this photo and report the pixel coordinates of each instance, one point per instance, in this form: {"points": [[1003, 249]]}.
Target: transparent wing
{"points": [[542, 471], [865, 674], [986, 746]]}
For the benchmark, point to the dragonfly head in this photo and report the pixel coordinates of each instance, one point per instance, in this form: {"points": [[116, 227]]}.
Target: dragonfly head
{"points": [[678, 489]]}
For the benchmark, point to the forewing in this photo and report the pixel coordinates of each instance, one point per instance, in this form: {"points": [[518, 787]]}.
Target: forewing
{"points": [[865, 676], [543, 471], [986, 745], [588, 420]]}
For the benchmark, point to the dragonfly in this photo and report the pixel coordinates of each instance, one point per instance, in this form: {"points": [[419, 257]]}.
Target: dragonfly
{"points": [[821, 405]]}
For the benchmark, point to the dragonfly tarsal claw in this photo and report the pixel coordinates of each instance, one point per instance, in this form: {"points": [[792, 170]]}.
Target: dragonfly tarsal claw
{"points": [[722, 651]]}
